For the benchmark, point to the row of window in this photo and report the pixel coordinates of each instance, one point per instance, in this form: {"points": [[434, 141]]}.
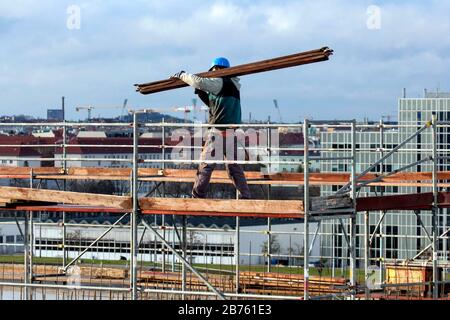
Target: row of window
{"points": [[374, 189], [113, 156], [10, 239], [342, 146], [124, 247]]}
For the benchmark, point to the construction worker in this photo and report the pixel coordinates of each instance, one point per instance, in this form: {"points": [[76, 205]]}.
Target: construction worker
{"points": [[222, 96]]}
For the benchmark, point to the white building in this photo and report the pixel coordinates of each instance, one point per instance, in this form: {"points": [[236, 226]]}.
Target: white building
{"points": [[206, 245], [110, 153], [11, 241], [19, 157]]}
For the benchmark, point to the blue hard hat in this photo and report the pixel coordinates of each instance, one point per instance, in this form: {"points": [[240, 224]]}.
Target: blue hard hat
{"points": [[220, 62]]}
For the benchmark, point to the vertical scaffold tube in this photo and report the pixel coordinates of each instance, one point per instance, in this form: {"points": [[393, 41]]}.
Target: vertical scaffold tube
{"points": [[306, 205], [353, 218], [135, 213], [435, 208]]}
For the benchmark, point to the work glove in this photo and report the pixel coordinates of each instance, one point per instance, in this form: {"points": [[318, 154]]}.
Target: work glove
{"points": [[177, 75]]}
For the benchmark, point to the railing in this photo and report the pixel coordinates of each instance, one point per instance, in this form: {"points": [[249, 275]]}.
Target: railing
{"points": [[270, 152]]}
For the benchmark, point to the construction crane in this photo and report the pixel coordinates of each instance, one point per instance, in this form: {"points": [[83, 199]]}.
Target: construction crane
{"points": [[200, 109], [90, 108], [123, 109], [275, 102], [189, 109]]}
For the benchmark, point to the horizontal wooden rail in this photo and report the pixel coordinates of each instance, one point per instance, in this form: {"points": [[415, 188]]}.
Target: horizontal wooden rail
{"points": [[405, 179], [64, 197]]}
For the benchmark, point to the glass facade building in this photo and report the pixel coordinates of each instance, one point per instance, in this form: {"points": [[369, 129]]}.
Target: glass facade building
{"points": [[401, 235]]}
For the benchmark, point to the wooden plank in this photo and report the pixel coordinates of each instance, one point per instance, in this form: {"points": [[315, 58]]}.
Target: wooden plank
{"points": [[26, 171], [251, 68], [255, 207], [14, 170], [47, 170], [406, 179], [74, 198], [100, 172], [398, 202], [84, 177], [330, 203], [225, 214]]}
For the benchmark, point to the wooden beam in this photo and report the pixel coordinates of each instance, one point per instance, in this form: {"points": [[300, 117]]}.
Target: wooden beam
{"points": [[421, 201], [221, 207], [298, 59], [404, 179], [66, 197]]}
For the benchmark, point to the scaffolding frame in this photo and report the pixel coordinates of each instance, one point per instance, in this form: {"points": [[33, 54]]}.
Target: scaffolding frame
{"points": [[137, 218]]}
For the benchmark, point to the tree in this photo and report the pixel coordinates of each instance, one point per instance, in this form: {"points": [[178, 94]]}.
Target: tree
{"points": [[275, 246]]}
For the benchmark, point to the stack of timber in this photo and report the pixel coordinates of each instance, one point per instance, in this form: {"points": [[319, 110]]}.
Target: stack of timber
{"points": [[288, 284], [50, 272], [294, 60], [412, 276], [250, 282], [172, 280], [104, 273], [10, 194]]}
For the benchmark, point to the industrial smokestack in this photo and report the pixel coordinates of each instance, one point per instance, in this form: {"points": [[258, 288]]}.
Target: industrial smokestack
{"points": [[404, 93]]}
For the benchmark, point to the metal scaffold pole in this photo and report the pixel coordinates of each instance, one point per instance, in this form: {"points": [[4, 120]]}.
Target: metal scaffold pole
{"points": [[184, 246], [269, 189], [135, 213], [382, 213], [306, 205], [64, 229], [185, 262], [353, 218], [366, 252], [26, 265], [435, 208], [30, 243], [163, 219], [237, 249]]}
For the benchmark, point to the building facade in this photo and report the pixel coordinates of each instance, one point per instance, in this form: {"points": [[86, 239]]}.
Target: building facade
{"points": [[401, 235]]}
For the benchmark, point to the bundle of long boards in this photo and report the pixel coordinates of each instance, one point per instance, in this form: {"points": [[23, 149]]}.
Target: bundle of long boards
{"points": [[55, 273], [293, 60], [289, 284], [261, 283]]}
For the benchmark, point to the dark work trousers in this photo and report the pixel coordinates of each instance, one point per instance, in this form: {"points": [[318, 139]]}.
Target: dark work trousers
{"points": [[219, 146]]}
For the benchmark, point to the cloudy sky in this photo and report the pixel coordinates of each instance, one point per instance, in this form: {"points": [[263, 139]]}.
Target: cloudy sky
{"points": [[120, 43]]}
